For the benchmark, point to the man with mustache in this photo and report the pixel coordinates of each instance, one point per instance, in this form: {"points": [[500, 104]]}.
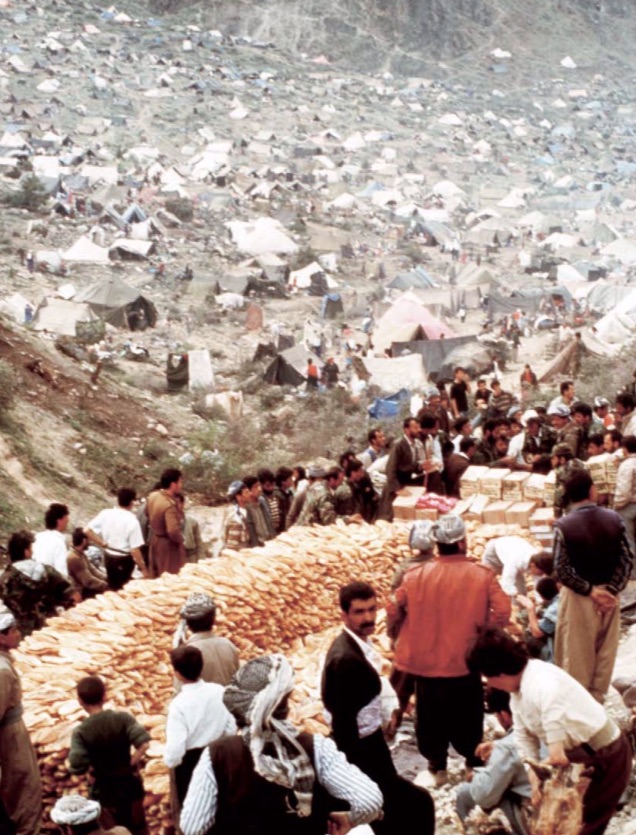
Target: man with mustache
{"points": [[353, 693]]}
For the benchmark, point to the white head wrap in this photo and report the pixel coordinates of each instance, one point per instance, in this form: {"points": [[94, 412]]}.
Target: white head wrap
{"points": [[73, 810], [7, 619], [252, 697]]}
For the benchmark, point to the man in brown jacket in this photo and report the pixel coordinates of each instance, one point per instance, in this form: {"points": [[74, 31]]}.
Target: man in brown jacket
{"points": [[86, 578], [167, 552], [20, 789]]}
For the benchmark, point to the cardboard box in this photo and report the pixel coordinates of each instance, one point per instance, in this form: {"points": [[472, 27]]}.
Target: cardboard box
{"points": [[495, 513], [549, 488], [412, 490], [477, 507], [512, 489], [427, 513], [519, 514], [542, 521], [404, 507], [534, 488], [469, 482], [462, 506], [491, 483]]}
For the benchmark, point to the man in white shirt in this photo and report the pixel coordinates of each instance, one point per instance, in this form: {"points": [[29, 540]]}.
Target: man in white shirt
{"points": [[550, 707], [49, 546], [118, 532], [196, 717], [375, 450], [509, 557]]}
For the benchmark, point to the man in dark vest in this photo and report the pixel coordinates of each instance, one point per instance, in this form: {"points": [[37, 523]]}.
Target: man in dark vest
{"points": [[593, 562], [351, 692], [272, 778]]}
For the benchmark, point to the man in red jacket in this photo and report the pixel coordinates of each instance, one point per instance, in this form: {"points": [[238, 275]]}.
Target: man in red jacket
{"points": [[441, 605]]}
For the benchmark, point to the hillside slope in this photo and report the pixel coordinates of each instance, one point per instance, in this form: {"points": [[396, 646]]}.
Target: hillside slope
{"points": [[410, 36], [65, 439]]}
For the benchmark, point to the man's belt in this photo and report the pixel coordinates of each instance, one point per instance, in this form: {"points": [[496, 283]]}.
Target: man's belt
{"points": [[13, 715], [116, 552]]}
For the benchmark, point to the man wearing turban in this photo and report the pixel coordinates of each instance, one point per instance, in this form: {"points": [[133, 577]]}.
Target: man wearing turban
{"points": [[273, 778], [78, 815]]}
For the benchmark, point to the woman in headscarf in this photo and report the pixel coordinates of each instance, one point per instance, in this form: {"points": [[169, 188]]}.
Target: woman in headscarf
{"points": [[274, 778]]}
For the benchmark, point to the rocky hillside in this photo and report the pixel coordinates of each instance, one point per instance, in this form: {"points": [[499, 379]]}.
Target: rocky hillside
{"points": [[411, 36]]}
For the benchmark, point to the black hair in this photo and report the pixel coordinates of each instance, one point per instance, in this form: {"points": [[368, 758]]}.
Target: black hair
{"points": [[372, 434], [91, 690], [407, 421], [54, 513], [544, 561], [460, 423], [249, 481], [333, 473], [428, 421], [578, 486], [126, 496], [626, 400], [265, 475], [79, 537], [616, 435], [466, 443], [497, 653], [353, 466], [18, 544], [582, 409], [169, 477], [597, 439], [357, 590], [302, 474], [447, 549], [282, 474], [565, 385], [347, 455], [204, 623], [547, 588], [629, 442], [497, 701], [542, 465], [188, 661]]}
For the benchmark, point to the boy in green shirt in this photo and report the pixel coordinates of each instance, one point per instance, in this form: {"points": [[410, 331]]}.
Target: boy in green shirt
{"points": [[102, 743]]}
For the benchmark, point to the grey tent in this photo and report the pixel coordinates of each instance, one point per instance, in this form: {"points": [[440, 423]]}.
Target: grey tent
{"points": [[434, 351], [289, 367], [416, 278], [119, 304]]}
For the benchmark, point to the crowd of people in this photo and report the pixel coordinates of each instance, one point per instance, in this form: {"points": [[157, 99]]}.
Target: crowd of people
{"points": [[540, 629], [452, 430]]}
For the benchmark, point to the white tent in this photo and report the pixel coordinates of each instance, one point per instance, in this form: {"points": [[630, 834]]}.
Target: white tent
{"points": [[14, 306], [260, 237], [200, 373], [623, 250], [61, 317], [84, 251], [391, 375]]}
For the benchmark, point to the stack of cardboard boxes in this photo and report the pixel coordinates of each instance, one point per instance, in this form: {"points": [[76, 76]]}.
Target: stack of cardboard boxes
{"points": [[500, 496]]}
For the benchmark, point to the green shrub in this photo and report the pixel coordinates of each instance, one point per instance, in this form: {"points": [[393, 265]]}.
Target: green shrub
{"points": [[31, 195]]}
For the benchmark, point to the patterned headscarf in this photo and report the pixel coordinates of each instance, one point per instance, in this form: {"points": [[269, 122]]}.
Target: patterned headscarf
{"points": [[74, 810], [252, 697], [198, 605]]}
